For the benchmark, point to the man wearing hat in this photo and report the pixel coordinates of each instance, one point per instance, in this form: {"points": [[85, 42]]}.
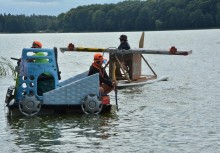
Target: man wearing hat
{"points": [[124, 43]]}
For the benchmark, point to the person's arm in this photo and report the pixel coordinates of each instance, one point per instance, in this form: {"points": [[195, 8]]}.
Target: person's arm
{"points": [[92, 70], [105, 79], [127, 46], [124, 45], [120, 46]]}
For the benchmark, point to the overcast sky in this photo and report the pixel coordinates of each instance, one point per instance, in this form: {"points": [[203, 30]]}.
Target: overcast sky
{"points": [[45, 7]]}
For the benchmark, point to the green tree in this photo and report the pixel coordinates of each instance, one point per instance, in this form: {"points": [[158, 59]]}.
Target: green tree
{"points": [[196, 18], [1, 23], [218, 15], [158, 24], [98, 19], [128, 15]]}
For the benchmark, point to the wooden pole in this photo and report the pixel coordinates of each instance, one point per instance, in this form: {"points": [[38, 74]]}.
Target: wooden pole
{"points": [[126, 75], [106, 65], [148, 65], [138, 50], [113, 71]]}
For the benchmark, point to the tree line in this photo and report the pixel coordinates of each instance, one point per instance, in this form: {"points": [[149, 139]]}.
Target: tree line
{"points": [[132, 15]]}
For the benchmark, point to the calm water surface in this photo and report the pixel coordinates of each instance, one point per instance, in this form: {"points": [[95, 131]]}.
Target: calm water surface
{"points": [[176, 116]]}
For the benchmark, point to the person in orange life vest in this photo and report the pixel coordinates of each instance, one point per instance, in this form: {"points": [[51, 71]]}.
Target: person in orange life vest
{"points": [[106, 85], [45, 81], [37, 44]]}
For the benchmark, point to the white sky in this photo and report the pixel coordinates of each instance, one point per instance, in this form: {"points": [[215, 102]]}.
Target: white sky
{"points": [[45, 7]]}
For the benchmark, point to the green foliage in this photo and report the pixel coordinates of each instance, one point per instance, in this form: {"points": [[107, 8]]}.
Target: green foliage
{"points": [[129, 15], [6, 67], [21, 23]]}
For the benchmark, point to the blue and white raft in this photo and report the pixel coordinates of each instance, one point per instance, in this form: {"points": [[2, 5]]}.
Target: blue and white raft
{"points": [[37, 90]]}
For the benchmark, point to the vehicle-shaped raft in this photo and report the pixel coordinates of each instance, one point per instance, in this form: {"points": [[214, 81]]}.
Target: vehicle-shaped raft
{"points": [[39, 91]]}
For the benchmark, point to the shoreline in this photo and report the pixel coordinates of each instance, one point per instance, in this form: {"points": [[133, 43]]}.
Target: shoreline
{"points": [[215, 28]]}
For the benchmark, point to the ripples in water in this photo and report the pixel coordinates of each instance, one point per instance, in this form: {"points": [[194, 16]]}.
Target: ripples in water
{"points": [[179, 115]]}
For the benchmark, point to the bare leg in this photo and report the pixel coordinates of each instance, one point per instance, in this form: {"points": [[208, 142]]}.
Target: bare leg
{"points": [[107, 89]]}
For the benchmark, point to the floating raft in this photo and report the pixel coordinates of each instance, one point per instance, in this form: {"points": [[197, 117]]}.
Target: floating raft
{"points": [[124, 84], [131, 75]]}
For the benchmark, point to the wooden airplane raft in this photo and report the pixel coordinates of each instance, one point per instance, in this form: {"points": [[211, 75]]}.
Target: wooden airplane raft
{"points": [[125, 66]]}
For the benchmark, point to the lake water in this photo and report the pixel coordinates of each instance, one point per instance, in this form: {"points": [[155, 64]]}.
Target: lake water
{"points": [[180, 115]]}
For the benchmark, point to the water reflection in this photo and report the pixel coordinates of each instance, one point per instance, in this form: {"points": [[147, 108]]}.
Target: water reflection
{"points": [[53, 133]]}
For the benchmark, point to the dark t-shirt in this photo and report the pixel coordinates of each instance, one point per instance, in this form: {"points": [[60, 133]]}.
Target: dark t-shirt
{"points": [[124, 45], [102, 78]]}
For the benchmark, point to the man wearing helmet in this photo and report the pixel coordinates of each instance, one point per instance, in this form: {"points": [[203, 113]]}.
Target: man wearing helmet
{"points": [[106, 85], [37, 44]]}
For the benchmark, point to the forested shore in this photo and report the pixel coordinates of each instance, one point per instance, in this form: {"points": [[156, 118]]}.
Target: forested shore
{"points": [[124, 16]]}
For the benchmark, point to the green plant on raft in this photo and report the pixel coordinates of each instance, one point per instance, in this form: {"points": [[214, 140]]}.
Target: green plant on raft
{"points": [[6, 67]]}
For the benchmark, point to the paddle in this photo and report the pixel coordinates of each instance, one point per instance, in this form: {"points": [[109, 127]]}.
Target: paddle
{"points": [[116, 97]]}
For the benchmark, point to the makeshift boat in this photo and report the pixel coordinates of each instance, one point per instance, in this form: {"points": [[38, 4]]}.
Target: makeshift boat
{"points": [[38, 91], [125, 66]]}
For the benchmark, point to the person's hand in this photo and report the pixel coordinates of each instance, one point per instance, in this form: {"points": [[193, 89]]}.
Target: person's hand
{"points": [[114, 83], [101, 90]]}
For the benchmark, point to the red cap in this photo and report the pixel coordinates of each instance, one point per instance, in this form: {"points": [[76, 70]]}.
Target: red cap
{"points": [[98, 56], [37, 43]]}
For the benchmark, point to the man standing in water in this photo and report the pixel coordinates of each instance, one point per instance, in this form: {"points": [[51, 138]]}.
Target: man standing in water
{"points": [[123, 45]]}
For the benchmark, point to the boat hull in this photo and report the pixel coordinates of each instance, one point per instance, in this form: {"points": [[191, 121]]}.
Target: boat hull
{"points": [[125, 84], [56, 109]]}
